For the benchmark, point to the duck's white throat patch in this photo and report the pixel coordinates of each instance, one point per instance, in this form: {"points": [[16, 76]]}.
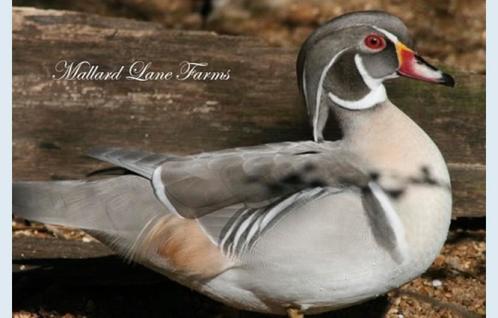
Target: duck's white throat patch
{"points": [[376, 95]]}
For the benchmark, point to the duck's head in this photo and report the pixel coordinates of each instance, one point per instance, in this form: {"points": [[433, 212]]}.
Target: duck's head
{"points": [[344, 63]]}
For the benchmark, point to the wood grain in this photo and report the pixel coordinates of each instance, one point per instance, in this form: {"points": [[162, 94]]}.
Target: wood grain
{"points": [[55, 122]]}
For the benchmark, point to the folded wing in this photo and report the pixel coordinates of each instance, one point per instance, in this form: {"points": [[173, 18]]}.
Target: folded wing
{"points": [[257, 176], [236, 194]]}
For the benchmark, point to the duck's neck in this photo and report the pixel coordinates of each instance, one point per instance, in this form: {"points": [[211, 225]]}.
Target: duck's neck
{"points": [[391, 143], [358, 124], [388, 139]]}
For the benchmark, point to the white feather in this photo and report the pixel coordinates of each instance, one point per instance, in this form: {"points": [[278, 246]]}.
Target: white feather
{"points": [[160, 191], [319, 92]]}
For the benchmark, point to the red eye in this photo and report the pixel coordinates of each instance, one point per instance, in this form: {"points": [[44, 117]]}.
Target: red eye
{"points": [[375, 42]]}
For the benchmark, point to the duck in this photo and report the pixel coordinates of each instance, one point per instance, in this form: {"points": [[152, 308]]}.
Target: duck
{"points": [[286, 228]]}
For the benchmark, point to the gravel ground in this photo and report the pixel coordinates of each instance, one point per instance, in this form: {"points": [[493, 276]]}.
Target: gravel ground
{"points": [[454, 286]]}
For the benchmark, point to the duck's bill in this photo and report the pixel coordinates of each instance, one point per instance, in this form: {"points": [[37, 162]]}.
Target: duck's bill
{"points": [[414, 66]]}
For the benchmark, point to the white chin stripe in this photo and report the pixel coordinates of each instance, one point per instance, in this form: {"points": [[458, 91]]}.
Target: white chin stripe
{"points": [[376, 95], [371, 82], [373, 98]]}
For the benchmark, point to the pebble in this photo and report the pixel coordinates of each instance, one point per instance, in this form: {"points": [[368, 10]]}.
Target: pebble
{"points": [[437, 283]]}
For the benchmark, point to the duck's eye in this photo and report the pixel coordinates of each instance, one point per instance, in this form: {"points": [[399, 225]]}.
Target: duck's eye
{"points": [[375, 42]]}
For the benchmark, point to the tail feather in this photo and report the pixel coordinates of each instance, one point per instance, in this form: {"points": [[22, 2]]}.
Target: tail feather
{"points": [[119, 207]]}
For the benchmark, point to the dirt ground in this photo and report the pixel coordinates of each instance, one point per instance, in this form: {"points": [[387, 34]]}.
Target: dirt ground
{"points": [[454, 286], [451, 31]]}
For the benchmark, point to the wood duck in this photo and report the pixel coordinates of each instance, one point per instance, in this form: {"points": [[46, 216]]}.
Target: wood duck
{"points": [[286, 228]]}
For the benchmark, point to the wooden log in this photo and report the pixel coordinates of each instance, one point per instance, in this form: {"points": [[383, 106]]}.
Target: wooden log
{"points": [[55, 122]]}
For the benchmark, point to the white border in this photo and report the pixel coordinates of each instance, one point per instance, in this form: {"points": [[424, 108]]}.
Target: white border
{"points": [[6, 159]]}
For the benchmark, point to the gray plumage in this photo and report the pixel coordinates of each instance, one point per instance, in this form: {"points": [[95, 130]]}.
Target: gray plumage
{"points": [[140, 162], [200, 184], [342, 33], [117, 208]]}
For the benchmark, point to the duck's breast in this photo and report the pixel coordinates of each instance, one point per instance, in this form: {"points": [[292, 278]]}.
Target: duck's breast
{"points": [[322, 255]]}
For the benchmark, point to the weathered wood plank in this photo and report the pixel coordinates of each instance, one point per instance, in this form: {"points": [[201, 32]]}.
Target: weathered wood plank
{"points": [[77, 261], [55, 122], [30, 248]]}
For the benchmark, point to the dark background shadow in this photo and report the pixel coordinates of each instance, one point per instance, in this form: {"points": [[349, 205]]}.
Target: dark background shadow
{"points": [[108, 287]]}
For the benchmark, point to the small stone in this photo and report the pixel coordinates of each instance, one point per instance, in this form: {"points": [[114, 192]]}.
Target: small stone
{"points": [[437, 283]]}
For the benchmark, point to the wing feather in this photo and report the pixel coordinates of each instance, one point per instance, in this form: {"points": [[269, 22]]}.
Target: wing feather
{"points": [[141, 162], [255, 176], [233, 195]]}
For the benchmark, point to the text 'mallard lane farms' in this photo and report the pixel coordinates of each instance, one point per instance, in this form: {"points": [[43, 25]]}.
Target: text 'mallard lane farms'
{"points": [[137, 71]]}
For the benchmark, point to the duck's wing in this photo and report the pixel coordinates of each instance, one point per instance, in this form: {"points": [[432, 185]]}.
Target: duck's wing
{"points": [[237, 194], [223, 200], [255, 177]]}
